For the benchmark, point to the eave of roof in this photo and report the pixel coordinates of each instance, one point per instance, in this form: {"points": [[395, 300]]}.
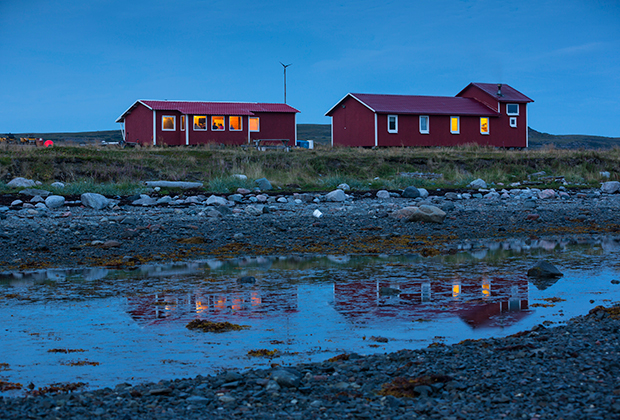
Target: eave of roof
{"points": [[210, 108]]}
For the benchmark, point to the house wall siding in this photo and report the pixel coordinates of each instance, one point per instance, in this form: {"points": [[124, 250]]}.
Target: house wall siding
{"points": [[139, 125], [353, 125]]}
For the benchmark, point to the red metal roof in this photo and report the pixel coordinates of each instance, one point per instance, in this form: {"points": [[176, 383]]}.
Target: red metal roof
{"points": [[426, 105], [509, 94], [210, 108]]}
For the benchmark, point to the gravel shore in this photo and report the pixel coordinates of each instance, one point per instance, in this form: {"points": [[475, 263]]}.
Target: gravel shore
{"points": [[570, 371]]}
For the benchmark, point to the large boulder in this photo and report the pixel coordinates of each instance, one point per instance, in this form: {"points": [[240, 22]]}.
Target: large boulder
{"points": [[94, 201], [264, 184], [423, 213], [336, 195], [477, 184], [544, 269], [411, 192], [383, 194], [610, 187], [55, 201], [20, 182]]}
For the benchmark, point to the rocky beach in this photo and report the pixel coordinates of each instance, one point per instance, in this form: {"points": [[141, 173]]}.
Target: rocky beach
{"points": [[569, 371]]}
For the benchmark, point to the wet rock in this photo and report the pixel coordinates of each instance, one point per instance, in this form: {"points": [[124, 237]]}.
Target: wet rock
{"points": [[94, 201], [477, 184], [235, 198], [37, 199], [610, 187], [411, 192], [288, 378], [423, 213], [174, 184], [164, 200], [383, 194], [491, 195], [544, 269], [55, 201], [144, 200], [16, 203], [246, 280], [214, 199], [264, 184], [20, 182], [546, 194], [336, 195]]}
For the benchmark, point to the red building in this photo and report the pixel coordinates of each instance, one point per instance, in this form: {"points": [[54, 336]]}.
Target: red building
{"points": [[483, 113], [177, 123]]}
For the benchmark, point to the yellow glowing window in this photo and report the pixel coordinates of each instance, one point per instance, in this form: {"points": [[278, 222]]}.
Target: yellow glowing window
{"points": [[200, 122], [254, 124], [234, 123], [217, 123], [182, 122], [484, 125], [454, 125], [168, 122]]}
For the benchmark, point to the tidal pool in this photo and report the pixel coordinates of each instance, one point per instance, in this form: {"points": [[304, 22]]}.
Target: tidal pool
{"points": [[105, 326]]}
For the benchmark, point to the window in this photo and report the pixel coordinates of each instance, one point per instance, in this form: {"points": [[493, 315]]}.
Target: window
{"points": [[455, 125], [217, 124], [424, 128], [168, 123], [182, 122], [484, 125], [254, 124], [235, 123], [513, 122], [392, 123], [200, 122], [512, 109]]}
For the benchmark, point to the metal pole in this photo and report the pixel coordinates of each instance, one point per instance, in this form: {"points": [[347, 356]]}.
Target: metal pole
{"points": [[285, 66]]}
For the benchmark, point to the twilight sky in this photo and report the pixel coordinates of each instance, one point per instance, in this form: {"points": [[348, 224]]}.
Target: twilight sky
{"points": [[70, 65]]}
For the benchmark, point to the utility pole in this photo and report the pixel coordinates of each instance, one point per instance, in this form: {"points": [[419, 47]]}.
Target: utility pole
{"points": [[285, 66]]}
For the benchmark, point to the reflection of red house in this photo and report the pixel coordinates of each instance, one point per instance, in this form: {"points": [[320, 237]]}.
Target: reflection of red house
{"points": [[177, 123], [254, 303], [479, 302]]}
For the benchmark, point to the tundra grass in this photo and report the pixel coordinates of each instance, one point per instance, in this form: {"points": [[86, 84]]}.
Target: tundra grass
{"points": [[123, 171]]}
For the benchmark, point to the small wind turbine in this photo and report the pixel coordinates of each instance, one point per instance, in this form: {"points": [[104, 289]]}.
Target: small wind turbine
{"points": [[285, 66]]}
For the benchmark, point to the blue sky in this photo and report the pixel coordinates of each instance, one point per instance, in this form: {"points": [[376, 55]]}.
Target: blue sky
{"points": [[77, 65]]}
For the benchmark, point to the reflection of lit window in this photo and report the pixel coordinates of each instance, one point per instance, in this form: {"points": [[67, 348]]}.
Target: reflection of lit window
{"points": [[235, 123], [454, 125], [426, 292], [236, 304], [256, 300], [486, 288], [200, 307], [220, 303], [484, 125], [200, 122], [254, 124], [456, 289], [168, 122], [217, 123]]}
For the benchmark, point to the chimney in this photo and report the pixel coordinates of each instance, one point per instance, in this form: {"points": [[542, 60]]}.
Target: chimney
{"points": [[499, 90]]}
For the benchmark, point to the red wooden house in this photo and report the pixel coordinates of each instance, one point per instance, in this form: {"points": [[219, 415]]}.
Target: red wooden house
{"points": [[483, 113], [176, 123]]}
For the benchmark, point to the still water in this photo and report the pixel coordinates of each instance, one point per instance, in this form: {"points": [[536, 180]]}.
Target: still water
{"points": [[129, 326]]}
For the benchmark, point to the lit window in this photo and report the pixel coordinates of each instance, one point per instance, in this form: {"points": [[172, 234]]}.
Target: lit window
{"points": [[168, 123], [513, 122], [454, 125], [217, 123], [484, 125], [254, 124], [512, 109], [235, 123], [182, 122], [200, 122], [392, 123], [424, 128]]}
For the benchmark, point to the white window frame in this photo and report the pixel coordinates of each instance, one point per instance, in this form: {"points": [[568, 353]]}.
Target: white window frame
{"points": [[488, 126], [197, 128], [223, 117], [458, 125], [428, 124], [395, 130], [513, 122], [240, 123], [250, 125], [183, 122], [174, 123], [512, 113]]}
